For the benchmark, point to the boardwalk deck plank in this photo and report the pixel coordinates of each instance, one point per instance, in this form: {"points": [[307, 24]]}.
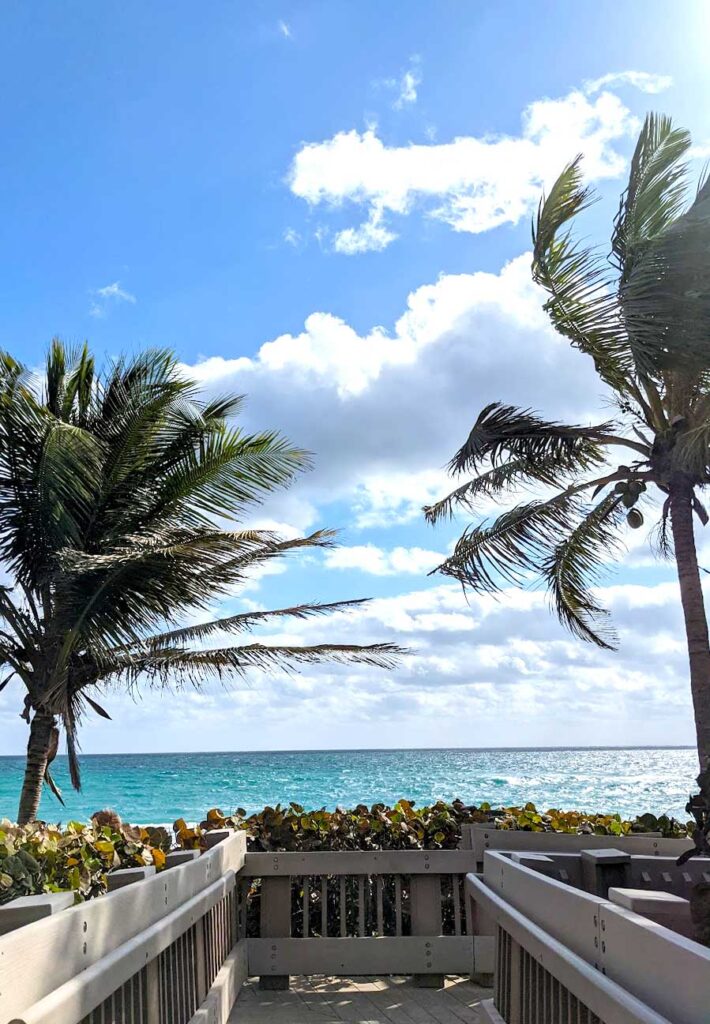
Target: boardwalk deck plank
{"points": [[364, 1000]]}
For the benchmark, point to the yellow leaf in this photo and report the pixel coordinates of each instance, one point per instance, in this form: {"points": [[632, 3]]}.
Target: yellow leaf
{"points": [[158, 858], [104, 846]]}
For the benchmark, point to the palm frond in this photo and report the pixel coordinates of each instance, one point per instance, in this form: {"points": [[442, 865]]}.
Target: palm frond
{"points": [[511, 549], [121, 597], [665, 298], [176, 666], [662, 536], [574, 566], [246, 621], [499, 480], [582, 302], [79, 389], [504, 431], [656, 193]]}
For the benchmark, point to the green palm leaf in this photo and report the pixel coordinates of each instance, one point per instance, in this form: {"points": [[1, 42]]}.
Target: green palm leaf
{"points": [[115, 488], [574, 566], [504, 431]]}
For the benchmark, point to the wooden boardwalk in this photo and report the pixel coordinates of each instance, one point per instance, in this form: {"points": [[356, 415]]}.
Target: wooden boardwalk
{"points": [[319, 999]]}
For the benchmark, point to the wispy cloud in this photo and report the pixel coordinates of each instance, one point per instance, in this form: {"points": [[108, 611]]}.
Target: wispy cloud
{"points": [[643, 80], [406, 85], [285, 29], [110, 294]]}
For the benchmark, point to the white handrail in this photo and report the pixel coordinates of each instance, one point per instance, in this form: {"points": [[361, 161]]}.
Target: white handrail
{"points": [[72, 1001], [44, 956], [608, 1000]]}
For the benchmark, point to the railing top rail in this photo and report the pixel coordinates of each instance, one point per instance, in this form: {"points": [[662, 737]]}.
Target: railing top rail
{"points": [[565, 912], [63, 945], [604, 997], [77, 997], [480, 838], [359, 862]]}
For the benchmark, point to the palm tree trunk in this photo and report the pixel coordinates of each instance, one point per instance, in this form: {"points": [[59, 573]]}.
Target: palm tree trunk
{"points": [[691, 595], [38, 750]]}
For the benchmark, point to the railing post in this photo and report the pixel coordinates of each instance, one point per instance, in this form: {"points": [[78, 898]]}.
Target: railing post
{"points": [[128, 876], [275, 923], [26, 909], [480, 925], [602, 869], [426, 919]]}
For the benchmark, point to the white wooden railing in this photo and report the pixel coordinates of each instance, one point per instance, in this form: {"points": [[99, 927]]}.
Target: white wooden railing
{"points": [[175, 947], [480, 838], [164, 950], [567, 956], [385, 912]]}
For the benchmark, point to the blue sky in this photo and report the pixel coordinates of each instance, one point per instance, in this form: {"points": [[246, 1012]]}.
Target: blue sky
{"points": [[327, 206]]}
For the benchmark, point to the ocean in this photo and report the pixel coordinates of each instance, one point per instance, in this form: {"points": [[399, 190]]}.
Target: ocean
{"points": [[158, 788]]}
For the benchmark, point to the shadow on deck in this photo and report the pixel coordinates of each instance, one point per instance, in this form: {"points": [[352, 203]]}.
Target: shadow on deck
{"points": [[320, 999]]}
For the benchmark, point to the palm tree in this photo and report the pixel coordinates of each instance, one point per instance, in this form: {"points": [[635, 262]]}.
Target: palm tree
{"points": [[120, 498], [643, 315]]}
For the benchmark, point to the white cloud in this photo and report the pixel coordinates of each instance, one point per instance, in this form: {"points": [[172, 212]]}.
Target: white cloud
{"points": [[643, 80], [370, 559], [292, 237], [357, 399], [472, 183], [284, 29], [108, 295], [499, 664], [482, 672]]}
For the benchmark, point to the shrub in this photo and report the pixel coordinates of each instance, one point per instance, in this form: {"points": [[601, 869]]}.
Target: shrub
{"points": [[405, 827], [39, 858]]}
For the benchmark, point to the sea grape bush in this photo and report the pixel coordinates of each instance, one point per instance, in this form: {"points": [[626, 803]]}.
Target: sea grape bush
{"points": [[39, 857], [406, 827], [77, 857], [401, 827]]}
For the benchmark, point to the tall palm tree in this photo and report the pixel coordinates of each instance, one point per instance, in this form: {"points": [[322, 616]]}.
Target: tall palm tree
{"points": [[643, 316], [120, 498]]}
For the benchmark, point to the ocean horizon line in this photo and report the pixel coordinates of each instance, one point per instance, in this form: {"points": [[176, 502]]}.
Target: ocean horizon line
{"points": [[371, 750]]}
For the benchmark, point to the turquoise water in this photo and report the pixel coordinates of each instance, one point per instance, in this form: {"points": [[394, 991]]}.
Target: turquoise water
{"points": [[157, 788]]}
